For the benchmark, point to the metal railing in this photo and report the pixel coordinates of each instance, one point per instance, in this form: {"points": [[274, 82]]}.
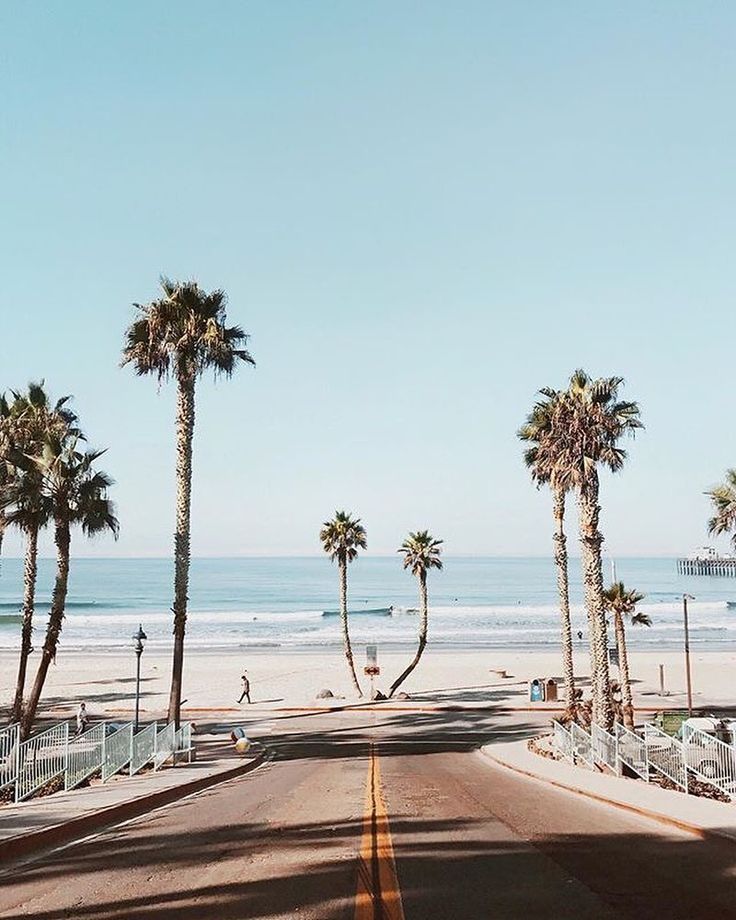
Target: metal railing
{"points": [[605, 748], [710, 759], [581, 744], [143, 748], [632, 751], [41, 759], [665, 754], [84, 755], [562, 740], [9, 739], [117, 751], [165, 745]]}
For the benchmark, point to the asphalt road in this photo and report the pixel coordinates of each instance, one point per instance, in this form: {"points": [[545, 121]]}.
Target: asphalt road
{"points": [[374, 815]]}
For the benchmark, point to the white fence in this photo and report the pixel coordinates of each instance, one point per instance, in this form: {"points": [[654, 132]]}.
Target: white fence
{"points": [[165, 745], [143, 748], [30, 765], [700, 754], [711, 760], [666, 755], [9, 738], [84, 755], [41, 759]]}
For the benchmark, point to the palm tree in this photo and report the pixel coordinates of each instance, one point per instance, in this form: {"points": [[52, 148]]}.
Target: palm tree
{"points": [[183, 335], [591, 422], [25, 423], [622, 604], [544, 463], [341, 538], [421, 553], [723, 497], [78, 495]]}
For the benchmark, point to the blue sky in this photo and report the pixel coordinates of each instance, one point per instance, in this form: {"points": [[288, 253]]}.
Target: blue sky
{"points": [[421, 212]]}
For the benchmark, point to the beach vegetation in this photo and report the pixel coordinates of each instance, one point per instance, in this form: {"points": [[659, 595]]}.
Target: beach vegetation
{"points": [[183, 335], [342, 537], [621, 603], [421, 552], [723, 499]]}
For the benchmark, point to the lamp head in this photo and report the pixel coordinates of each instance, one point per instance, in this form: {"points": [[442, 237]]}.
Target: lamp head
{"points": [[140, 636]]}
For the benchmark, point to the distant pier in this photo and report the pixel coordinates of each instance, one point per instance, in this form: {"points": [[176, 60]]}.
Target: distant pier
{"points": [[724, 567]]}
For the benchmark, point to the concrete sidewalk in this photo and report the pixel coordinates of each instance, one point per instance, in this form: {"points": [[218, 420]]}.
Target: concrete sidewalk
{"points": [[700, 816], [38, 824]]}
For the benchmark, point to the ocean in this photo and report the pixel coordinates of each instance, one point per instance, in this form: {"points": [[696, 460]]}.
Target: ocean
{"points": [[281, 602]]}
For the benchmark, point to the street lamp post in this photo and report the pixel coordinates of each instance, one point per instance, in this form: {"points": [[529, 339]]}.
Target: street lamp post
{"points": [[139, 637], [685, 599]]}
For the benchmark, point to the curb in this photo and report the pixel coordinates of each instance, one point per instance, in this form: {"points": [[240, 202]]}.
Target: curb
{"points": [[27, 844], [704, 833]]}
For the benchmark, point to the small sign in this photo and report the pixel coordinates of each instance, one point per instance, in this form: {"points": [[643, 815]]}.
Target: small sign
{"points": [[371, 670], [371, 654]]}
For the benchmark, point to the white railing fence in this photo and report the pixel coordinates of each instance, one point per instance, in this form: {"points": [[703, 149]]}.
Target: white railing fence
{"points": [[9, 738], [117, 751], [41, 759], [562, 740], [632, 751], [581, 744], [710, 759], [84, 755], [605, 748], [665, 754], [165, 745], [143, 748], [29, 765]]}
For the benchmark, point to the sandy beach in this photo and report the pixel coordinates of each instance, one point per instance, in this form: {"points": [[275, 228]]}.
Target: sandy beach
{"points": [[285, 678]]}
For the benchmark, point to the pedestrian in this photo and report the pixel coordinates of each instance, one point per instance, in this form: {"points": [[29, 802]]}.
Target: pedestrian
{"points": [[246, 687], [82, 718]]}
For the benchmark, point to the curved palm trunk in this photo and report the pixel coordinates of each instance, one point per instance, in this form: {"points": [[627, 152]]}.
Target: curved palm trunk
{"points": [[30, 568], [591, 541], [53, 630], [184, 436], [343, 569], [423, 604], [627, 701], [560, 541]]}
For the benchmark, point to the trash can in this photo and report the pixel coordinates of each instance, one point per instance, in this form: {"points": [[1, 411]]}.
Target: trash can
{"points": [[550, 691], [536, 690]]}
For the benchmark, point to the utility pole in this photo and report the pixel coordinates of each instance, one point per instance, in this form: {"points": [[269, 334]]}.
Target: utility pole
{"points": [[685, 599]]}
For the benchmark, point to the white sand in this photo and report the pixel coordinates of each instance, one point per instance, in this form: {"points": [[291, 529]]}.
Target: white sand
{"points": [[282, 678]]}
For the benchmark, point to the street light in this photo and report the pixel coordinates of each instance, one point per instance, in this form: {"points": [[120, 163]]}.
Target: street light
{"points": [[685, 599], [139, 637]]}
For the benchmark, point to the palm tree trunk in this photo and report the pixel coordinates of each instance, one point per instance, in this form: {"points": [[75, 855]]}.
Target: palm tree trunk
{"points": [[560, 541], [30, 568], [184, 436], [343, 569], [627, 701], [62, 539], [591, 541], [423, 626]]}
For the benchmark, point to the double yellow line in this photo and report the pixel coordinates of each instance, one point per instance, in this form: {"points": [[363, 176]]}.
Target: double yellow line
{"points": [[378, 896]]}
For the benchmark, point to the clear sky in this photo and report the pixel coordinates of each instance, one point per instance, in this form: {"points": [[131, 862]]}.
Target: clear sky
{"points": [[421, 211]]}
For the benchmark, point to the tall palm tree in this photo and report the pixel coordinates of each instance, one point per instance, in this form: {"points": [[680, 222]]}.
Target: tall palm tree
{"points": [[591, 422], [421, 553], [78, 495], [183, 335], [723, 498], [547, 468], [25, 423], [341, 538], [621, 602]]}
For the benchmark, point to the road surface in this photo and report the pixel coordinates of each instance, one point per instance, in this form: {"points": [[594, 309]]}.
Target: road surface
{"points": [[378, 815]]}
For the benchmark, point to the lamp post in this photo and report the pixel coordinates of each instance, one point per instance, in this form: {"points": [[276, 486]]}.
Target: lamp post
{"points": [[685, 599], [139, 637]]}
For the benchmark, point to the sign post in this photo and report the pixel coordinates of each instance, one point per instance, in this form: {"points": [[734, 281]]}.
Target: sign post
{"points": [[371, 668]]}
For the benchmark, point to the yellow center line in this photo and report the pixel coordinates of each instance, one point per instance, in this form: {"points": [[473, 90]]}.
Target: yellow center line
{"points": [[378, 896]]}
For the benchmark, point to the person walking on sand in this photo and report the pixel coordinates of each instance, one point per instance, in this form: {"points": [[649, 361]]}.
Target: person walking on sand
{"points": [[82, 718], [246, 687]]}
